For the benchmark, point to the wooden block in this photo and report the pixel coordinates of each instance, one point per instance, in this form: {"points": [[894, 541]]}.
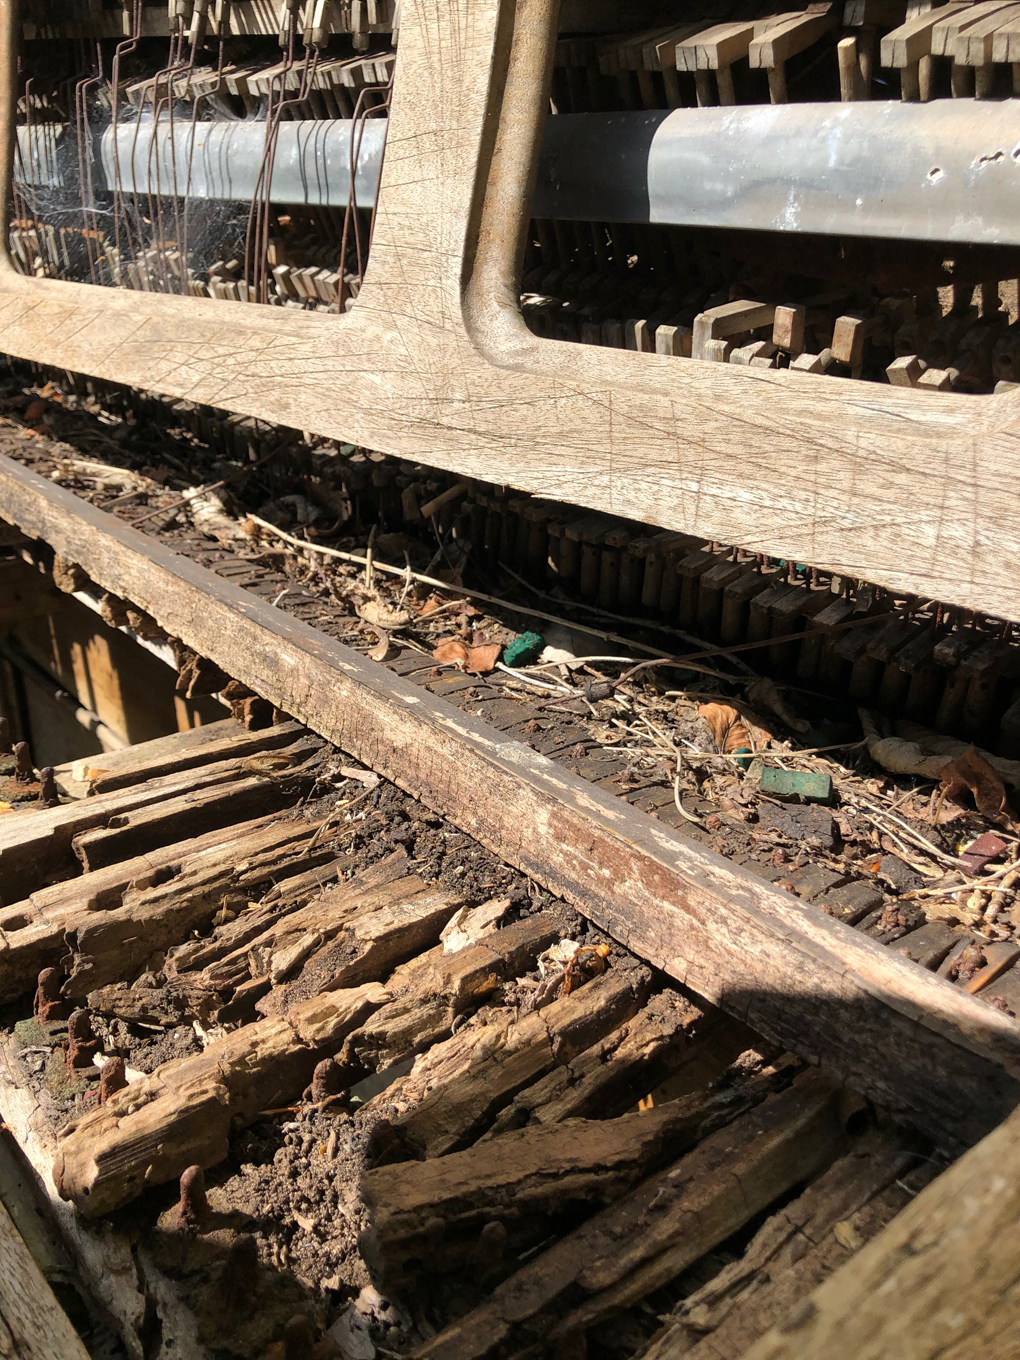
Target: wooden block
{"points": [[756, 350], [639, 336], [906, 372], [730, 318], [788, 38], [906, 45], [675, 340], [936, 380], [848, 337], [788, 328]]}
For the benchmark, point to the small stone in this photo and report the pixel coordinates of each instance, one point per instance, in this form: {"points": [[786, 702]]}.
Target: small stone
{"points": [[112, 1078], [194, 1207]]}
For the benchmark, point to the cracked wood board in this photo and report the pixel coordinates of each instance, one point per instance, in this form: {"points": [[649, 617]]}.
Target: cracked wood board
{"points": [[907, 1039], [885, 483]]}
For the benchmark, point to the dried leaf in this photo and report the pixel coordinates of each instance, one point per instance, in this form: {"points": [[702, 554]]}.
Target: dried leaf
{"points": [[729, 731], [382, 649], [477, 660], [382, 615], [970, 772], [35, 410]]}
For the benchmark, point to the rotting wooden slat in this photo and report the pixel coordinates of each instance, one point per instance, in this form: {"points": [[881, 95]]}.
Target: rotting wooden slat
{"points": [[907, 1039], [795, 1250], [33, 1326], [522, 1180], [182, 1113], [653, 1233], [940, 1283], [224, 740], [119, 915]]}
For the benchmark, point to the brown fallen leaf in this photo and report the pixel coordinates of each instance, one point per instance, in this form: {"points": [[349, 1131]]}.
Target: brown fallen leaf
{"points": [[477, 660], [971, 773], [381, 650], [382, 615], [729, 731], [35, 410]]}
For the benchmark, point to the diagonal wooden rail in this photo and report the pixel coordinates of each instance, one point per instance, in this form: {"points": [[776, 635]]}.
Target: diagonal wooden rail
{"points": [[904, 1037]]}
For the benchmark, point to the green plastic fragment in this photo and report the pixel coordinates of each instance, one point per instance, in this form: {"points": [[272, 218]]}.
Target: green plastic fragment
{"points": [[800, 784], [524, 649], [744, 755]]}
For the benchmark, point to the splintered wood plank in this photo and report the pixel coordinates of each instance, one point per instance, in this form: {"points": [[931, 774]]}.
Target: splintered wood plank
{"points": [[33, 1326], [119, 915], [940, 1283], [909, 1040], [794, 1251], [456, 1089], [225, 740], [523, 1179], [182, 1114], [631, 1247]]}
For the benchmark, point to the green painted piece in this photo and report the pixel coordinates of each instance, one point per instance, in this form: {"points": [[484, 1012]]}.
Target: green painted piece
{"points": [[800, 784], [524, 649]]}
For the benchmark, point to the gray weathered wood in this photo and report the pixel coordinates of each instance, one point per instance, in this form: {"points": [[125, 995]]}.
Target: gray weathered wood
{"points": [[880, 481], [33, 1326], [940, 1283]]}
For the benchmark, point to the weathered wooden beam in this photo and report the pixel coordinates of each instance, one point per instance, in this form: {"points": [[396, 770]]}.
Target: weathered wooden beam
{"points": [[656, 1231], [33, 1326], [940, 1282], [908, 1039]]}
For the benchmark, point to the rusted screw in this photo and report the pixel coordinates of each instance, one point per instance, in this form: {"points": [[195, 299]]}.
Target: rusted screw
{"points": [[6, 748], [194, 1207], [240, 1271], [48, 796], [24, 771], [112, 1079], [326, 1081], [82, 1044], [298, 1338], [49, 1004]]}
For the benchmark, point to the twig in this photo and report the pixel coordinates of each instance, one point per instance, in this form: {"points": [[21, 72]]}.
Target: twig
{"points": [[359, 560]]}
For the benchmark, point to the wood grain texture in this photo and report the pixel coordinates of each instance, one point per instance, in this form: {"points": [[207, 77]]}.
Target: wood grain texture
{"points": [[891, 1030], [940, 1281], [33, 1326], [435, 362]]}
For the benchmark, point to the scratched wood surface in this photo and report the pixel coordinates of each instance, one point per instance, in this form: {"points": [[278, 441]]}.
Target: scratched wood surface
{"points": [[904, 488]]}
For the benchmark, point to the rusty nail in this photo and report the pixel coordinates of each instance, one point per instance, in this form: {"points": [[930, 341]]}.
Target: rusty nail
{"points": [[49, 1004], [48, 796], [6, 748], [112, 1079], [194, 1207], [82, 1044], [326, 1081], [24, 772]]}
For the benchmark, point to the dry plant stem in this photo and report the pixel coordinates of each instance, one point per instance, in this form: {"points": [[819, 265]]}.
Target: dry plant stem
{"points": [[870, 810], [359, 560]]}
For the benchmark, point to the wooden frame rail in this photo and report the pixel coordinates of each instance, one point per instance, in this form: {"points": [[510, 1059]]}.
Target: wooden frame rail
{"points": [[890, 1029], [435, 361]]}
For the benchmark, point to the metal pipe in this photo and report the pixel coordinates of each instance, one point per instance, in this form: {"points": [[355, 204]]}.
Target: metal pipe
{"points": [[943, 171], [216, 160]]}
